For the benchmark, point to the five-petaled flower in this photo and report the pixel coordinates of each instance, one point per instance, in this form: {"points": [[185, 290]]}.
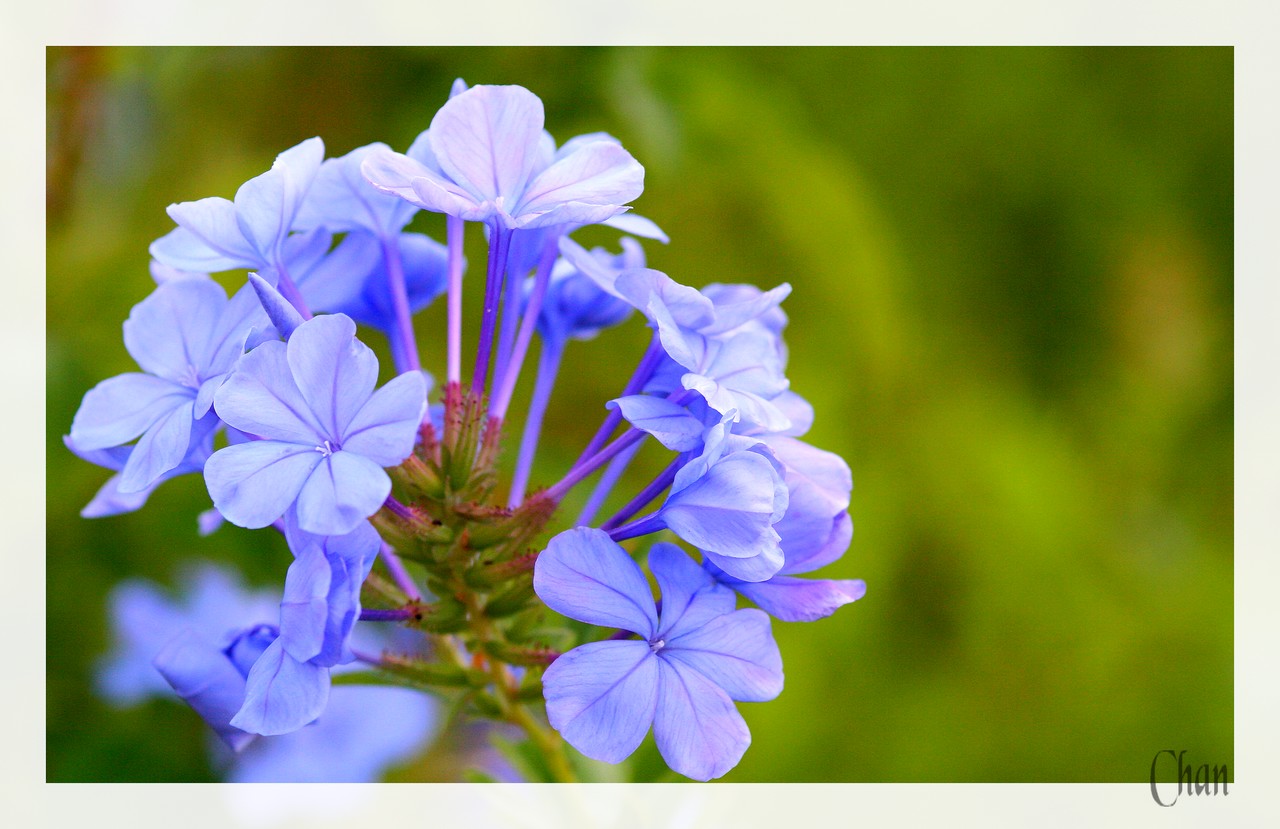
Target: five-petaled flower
{"points": [[325, 433], [691, 662]]}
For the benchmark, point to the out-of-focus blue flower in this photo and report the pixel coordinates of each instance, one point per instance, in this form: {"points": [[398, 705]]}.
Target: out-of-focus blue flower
{"points": [[575, 306], [362, 731], [186, 337], [326, 434], [487, 159], [352, 279], [691, 662], [215, 234]]}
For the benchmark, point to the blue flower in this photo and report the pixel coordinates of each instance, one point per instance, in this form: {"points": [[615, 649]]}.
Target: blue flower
{"points": [[326, 434], [215, 234], [691, 662], [110, 500], [363, 731], [186, 337], [815, 531], [486, 158], [353, 279], [575, 306]]}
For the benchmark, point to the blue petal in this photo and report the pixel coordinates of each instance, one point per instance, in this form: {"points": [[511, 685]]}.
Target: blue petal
{"points": [[590, 184], [601, 697], [304, 608], [486, 140], [730, 510], [386, 427], [418, 184], [161, 448], [740, 311], [802, 600], [281, 693], [343, 490], [690, 596], [699, 732], [342, 200], [736, 651], [197, 669], [585, 575], [333, 370], [261, 398], [267, 204], [208, 238], [672, 424], [279, 310], [755, 568], [637, 226], [168, 333], [802, 559], [121, 408], [252, 484]]}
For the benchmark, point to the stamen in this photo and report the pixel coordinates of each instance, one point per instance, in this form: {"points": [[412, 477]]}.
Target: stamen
{"points": [[326, 449], [654, 647]]}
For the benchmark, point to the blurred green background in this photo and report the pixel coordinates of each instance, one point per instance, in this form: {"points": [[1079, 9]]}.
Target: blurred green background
{"points": [[1012, 275]]}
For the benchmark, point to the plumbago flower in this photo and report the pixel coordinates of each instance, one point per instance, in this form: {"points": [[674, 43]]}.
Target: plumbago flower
{"points": [[396, 509]]}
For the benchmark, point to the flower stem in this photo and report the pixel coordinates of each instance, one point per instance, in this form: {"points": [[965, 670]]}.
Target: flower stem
{"points": [[512, 364], [454, 231], [396, 568], [605, 485], [499, 242], [593, 463], [400, 303], [548, 367]]}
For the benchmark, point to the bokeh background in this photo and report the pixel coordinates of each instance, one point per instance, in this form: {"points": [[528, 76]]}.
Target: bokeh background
{"points": [[1012, 311]]}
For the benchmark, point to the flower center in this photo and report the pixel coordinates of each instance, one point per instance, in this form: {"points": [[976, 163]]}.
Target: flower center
{"points": [[654, 647], [326, 449]]}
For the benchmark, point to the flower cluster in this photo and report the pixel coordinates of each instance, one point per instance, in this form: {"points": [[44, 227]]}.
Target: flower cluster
{"points": [[395, 510]]}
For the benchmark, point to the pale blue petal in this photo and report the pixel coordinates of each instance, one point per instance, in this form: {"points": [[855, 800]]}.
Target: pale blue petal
{"points": [[731, 315], [336, 283], [730, 510], [803, 559], [168, 333], [687, 307], [281, 693], [343, 490], [601, 697], [672, 424], [486, 140], [342, 200], [585, 575], [334, 371], [199, 672], [736, 651], [802, 600], [304, 608], [637, 226], [754, 568], [261, 398], [121, 408], [160, 449], [599, 175], [252, 484], [690, 596], [405, 177], [266, 205], [208, 238], [109, 500], [279, 310], [386, 426], [240, 317], [699, 732]]}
